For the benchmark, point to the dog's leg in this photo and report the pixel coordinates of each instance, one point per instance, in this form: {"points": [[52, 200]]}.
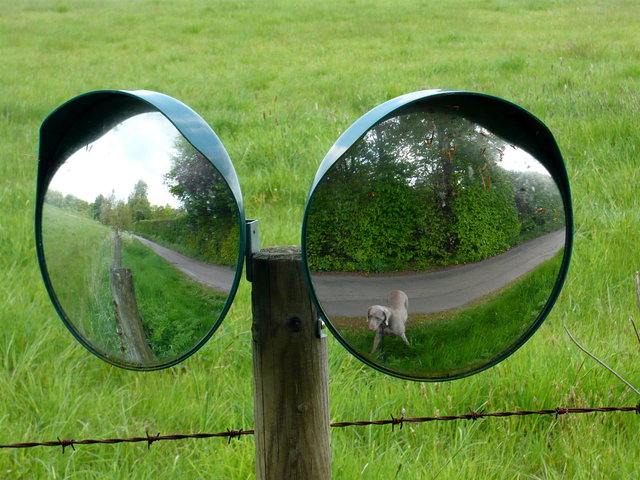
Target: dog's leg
{"points": [[376, 341], [404, 337]]}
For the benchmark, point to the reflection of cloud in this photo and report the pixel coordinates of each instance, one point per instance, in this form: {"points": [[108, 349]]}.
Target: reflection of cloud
{"points": [[518, 160], [139, 148]]}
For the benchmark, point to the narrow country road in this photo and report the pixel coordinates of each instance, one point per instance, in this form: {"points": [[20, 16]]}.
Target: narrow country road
{"points": [[350, 295], [214, 276]]}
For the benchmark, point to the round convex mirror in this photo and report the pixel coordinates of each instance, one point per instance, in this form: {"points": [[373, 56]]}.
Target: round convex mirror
{"points": [[437, 233], [139, 225]]}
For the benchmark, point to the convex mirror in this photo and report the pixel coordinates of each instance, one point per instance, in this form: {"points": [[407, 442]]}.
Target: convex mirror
{"points": [[140, 226], [437, 233]]}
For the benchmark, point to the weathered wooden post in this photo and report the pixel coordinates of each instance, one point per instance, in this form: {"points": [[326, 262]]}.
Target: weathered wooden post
{"points": [[128, 317], [290, 372]]}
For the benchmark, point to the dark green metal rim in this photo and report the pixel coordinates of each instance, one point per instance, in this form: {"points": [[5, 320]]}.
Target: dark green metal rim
{"points": [[517, 119], [57, 126]]}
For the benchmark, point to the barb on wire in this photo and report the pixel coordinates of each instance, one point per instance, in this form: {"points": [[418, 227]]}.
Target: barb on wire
{"points": [[149, 439], [66, 443]]}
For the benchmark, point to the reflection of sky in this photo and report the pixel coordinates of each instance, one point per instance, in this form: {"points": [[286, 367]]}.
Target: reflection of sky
{"points": [[139, 148], [518, 160]]}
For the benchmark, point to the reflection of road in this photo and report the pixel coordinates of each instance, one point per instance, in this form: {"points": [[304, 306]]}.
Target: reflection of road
{"points": [[350, 295], [214, 276]]}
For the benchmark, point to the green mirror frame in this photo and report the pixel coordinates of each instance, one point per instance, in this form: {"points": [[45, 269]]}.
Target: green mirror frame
{"points": [[82, 120], [510, 122]]}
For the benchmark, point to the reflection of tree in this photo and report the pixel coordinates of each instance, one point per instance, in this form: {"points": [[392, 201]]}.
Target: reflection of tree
{"points": [[457, 174], [204, 194], [418, 190], [114, 212], [95, 207], [138, 202], [67, 202], [119, 214], [208, 226]]}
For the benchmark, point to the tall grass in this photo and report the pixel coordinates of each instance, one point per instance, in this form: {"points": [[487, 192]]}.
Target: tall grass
{"points": [[279, 82]]}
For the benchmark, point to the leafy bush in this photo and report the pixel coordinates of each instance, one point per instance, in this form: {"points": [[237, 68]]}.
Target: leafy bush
{"points": [[370, 227], [390, 225], [486, 220]]}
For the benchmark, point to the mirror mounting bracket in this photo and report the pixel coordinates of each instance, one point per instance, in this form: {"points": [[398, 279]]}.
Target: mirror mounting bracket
{"points": [[321, 326], [252, 246]]}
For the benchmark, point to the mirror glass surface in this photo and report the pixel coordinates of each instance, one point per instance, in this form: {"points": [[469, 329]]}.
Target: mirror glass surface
{"points": [[141, 238], [434, 245]]}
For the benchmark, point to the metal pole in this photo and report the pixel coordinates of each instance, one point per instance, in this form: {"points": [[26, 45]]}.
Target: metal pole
{"points": [[290, 372]]}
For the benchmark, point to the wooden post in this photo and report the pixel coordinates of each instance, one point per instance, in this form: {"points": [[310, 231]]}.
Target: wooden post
{"points": [[290, 372], [128, 317], [117, 250]]}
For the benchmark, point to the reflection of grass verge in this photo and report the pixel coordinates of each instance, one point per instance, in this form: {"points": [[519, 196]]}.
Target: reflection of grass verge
{"points": [[459, 340], [177, 312], [78, 255]]}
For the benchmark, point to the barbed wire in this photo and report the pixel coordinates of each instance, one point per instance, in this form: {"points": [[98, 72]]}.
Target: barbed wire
{"points": [[393, 421]]}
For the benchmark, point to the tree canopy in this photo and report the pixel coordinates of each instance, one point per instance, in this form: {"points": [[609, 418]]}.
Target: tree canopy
{"points": [[422, 189]]}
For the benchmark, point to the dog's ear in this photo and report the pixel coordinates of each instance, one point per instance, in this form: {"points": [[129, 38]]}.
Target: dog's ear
{"points": [[369, 312], [386, 317]]}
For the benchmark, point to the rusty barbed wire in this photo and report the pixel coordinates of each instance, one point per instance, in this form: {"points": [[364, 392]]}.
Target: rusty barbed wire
{"points": [[477, 415], [393, 421], [149, 439]]}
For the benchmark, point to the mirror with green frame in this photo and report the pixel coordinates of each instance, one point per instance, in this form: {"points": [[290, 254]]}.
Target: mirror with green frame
{"points": [[434, 245], [140, 237]]}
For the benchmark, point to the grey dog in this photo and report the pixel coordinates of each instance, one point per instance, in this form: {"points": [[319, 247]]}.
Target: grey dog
{"points": [[389, 320]]}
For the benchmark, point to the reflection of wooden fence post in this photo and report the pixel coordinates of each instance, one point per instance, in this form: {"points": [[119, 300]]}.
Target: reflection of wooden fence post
{"points": [[117, 250], [290, 372], [126, 309]]}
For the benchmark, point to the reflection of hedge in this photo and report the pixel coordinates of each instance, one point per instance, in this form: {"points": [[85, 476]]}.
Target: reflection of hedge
{"points": [[391, 226], [539, 205], [215, 241], [359, 230], [424, 189], [486, 224]]}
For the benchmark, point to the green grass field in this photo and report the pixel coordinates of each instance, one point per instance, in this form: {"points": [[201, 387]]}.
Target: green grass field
{"points": [[279, 82]]}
